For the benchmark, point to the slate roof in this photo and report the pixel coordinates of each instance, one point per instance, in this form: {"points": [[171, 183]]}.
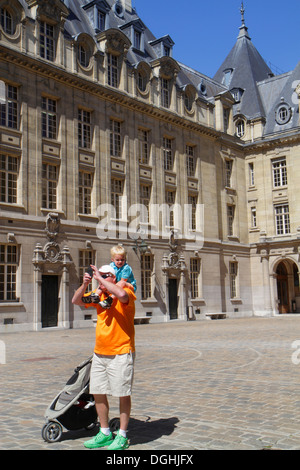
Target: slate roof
{"points": [[262, 93], [276, 93], [248, 67]]}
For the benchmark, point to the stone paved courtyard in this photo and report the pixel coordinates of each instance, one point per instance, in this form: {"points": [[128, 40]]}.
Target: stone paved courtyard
{"points": [[215, 385]]}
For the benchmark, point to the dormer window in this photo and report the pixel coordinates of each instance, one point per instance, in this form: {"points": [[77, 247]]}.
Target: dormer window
{"points": [[142, 77], [118, 9], [47, 41], [167, 51], [227, 77], [189, 97], [142, 80], [202, 88], [101, 18], [83, 56], [97, 12], [237, 94], [112, 70], [165, 92], [188, 101], [7, 21], [137, 39], [85, 47], [163, 46], [240, 128], [283, 114], [134, 30]]}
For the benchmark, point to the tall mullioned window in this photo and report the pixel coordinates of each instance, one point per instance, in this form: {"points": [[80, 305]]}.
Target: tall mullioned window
{"points": [[253, 217], [233, 272], [170, 197], [8, 272], [165, 93], [84, 128], [112, 70], [282, 219], [279, 170], [195, 266], [144, 146], [85, 192], [115, 138], [145, 196], [230, 220], [192, 200], [146, 275], [47, 41], [9, 106], [49, 185], [251, 174], [168, 154], [228, 173], [9, 170], [86, 258], [49, 118], [190, 160], [117, 188]]}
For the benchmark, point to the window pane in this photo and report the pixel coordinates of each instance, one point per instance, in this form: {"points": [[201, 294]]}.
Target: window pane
{"points": [[146, 275], [8, 178], [47, 41], [85, 192], [9, 108], [49, 118], [112, 70], [168, 154], [8, 272], [194, 276], [279, 172]]}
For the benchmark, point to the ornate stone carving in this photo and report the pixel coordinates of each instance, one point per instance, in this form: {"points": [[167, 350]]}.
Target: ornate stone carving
{"points": [[52, 252], [173, 261], [52, 225]]}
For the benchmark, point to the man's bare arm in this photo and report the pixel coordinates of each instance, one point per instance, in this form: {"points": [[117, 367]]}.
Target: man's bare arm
{"points": [[76, 300]]}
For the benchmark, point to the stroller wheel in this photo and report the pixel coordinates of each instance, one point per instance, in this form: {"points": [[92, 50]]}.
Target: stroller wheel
{"points": [[52, 432], [114, 424], [91, 426]]}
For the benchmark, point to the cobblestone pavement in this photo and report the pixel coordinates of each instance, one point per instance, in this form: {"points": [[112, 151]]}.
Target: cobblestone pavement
{"points": [[220, 384]]}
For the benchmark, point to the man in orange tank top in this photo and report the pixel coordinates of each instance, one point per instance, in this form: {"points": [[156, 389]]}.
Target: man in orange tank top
{"points": [[113, 360]]}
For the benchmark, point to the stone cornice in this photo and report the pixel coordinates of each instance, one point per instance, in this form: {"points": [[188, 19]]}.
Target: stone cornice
{"points": [[274, 141], [36, 66]]}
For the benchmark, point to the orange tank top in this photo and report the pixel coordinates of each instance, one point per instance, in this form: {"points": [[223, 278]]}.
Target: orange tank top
{"points": [[115, 327]]}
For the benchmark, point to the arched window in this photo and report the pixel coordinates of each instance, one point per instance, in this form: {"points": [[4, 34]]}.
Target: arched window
{"points": [[7, 21], [240, 128]]}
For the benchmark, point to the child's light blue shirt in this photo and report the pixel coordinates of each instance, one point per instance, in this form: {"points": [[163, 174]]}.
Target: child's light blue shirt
{"points": [[125, 272]]}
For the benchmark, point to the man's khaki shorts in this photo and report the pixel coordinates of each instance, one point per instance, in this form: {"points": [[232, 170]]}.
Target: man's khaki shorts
{"points": [[112, 375]]}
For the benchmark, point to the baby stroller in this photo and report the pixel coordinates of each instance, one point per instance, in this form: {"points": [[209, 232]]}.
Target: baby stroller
{"points": [[73, 408]]}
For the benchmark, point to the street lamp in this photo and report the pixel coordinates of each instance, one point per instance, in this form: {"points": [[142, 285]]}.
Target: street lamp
{"points": [[140, 248]]}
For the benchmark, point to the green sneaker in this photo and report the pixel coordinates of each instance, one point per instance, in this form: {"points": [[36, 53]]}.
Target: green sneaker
{"points": [[100, 440], [119, 443]]}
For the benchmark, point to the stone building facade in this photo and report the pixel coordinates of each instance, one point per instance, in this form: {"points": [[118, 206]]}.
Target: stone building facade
{"points": [[106, 139]]}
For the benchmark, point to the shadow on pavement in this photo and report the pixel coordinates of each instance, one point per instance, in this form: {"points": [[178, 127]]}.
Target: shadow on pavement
{"points": [[141, 431]]}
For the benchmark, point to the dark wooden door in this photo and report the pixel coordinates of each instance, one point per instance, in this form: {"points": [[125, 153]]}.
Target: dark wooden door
{"points": [[49, 301], [173, 299]]}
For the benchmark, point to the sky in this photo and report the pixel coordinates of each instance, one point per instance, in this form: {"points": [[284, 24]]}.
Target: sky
{"points": [[204, 32]]}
